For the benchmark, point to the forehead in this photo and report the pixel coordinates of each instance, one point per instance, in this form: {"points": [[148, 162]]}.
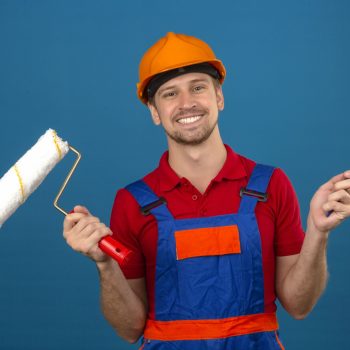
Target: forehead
{"points": [[185, 79]]}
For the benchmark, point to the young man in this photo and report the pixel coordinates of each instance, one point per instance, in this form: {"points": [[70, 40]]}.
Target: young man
{"points": [[215, 237]]}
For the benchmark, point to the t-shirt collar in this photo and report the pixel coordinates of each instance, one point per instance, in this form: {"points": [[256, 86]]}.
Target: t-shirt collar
{"points": [[232, 169]]}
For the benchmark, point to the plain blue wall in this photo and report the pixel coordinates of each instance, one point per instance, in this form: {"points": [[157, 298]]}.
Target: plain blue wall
{"points": [[72, 66]]}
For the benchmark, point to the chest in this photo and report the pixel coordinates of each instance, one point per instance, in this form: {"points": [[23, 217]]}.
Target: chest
{"points": [[186, 202]]}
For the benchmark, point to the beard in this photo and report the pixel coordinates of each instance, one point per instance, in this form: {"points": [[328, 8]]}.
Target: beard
{"points": [[193, 139]]}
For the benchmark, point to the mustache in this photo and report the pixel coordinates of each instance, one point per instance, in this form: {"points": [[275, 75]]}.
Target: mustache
{"points": [[189, 111]]}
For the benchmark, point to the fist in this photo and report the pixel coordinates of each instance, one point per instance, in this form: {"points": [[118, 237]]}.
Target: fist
{"points": [[82, 232]]}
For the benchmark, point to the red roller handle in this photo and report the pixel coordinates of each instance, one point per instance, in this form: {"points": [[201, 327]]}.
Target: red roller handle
{"points": [[114, 249]]}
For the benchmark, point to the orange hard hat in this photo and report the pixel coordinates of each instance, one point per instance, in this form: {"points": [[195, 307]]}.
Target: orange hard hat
{"points": [[171, 52]]}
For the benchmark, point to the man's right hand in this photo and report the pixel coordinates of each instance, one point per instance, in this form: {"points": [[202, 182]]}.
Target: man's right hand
{"points": [[82, 232]]}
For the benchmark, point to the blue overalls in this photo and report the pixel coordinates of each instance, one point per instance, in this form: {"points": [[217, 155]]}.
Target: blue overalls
{"points": [[209, 287]]}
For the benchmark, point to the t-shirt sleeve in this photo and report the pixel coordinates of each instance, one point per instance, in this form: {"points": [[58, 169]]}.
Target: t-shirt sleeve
{"points": [[289, 233], [123, 224]]}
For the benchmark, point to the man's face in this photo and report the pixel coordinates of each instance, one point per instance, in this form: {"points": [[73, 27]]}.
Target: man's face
{"points": [[187, 107]]}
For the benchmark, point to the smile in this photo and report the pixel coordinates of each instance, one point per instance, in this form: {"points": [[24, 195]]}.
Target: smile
{"points": [[189, 120]]}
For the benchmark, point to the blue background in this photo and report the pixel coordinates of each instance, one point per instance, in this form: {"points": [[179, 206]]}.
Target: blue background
{"points": [[73, 66]]}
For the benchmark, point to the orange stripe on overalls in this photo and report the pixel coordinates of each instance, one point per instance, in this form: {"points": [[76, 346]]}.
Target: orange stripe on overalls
{"points": [[210, 329]]}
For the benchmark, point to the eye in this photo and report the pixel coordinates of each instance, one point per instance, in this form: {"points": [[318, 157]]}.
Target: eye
{"points": [[169, 94], [198, 88]]}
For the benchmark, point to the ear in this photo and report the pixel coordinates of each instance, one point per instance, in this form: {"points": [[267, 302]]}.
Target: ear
{"points": [[154, 114], [220, 98]]}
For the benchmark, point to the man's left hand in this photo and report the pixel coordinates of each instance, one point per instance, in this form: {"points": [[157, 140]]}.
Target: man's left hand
{"points": [[330, 204]]}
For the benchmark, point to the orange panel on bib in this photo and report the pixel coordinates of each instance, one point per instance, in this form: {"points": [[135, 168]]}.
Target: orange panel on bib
{"points": [[207, 241]]}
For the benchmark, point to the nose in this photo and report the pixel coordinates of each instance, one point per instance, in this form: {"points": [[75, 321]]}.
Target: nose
{"points": [[187, 100]]}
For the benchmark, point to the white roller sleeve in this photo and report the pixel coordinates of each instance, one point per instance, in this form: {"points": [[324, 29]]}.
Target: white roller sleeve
{"points": [[29, 171]]}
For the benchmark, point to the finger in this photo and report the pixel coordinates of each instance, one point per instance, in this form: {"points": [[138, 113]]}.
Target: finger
{"points": [[71, 220], [96, 237], [329, 185], [73, 232], [340, 209], [81, 209], [84, 223], [340, 196], [342, 176], [89, 230], [342, 185], [78, 239], [89, 239]]}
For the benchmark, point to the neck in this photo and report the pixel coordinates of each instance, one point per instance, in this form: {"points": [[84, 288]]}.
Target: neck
{"points": [[198, 163]]}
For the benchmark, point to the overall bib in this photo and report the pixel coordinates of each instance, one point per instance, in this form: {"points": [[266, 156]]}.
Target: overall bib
{"points": [[209, 286]]}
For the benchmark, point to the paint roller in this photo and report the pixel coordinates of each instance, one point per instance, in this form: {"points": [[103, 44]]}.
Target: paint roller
{"points": [[22, 179]]}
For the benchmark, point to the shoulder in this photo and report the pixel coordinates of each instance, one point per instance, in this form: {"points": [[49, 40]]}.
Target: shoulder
{"points": [[124, 204], [280, 186], [278, 178], [247, 163], [126, 208], [123, 195]]}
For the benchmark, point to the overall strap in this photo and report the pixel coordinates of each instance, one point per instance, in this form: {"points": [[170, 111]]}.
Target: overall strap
{"points": [[256, 188], [148, 201]]}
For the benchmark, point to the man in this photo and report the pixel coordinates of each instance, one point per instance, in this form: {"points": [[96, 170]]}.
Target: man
{"points": [[215, 238]]}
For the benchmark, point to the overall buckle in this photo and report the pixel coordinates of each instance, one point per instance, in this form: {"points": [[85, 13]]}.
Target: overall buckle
{"points": [[261, 196], [146, 210]]}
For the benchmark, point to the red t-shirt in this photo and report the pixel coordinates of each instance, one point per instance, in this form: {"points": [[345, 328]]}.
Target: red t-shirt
{"points": [[278, 219]]}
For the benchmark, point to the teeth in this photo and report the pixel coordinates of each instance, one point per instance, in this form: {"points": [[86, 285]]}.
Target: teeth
{"points": [[189, 120]]}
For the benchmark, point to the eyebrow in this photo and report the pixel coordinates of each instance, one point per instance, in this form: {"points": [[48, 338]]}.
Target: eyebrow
{"points": [[193, 81]]}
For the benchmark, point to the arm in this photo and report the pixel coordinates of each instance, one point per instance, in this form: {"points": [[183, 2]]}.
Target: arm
{"points": [[301, 278], [123, 301]]}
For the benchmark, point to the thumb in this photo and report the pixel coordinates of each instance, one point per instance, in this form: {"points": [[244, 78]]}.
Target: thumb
{"points": [[82, 210]]}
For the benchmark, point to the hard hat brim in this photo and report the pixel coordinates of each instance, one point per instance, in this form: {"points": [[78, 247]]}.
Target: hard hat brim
{"points": [[141, 87]]}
